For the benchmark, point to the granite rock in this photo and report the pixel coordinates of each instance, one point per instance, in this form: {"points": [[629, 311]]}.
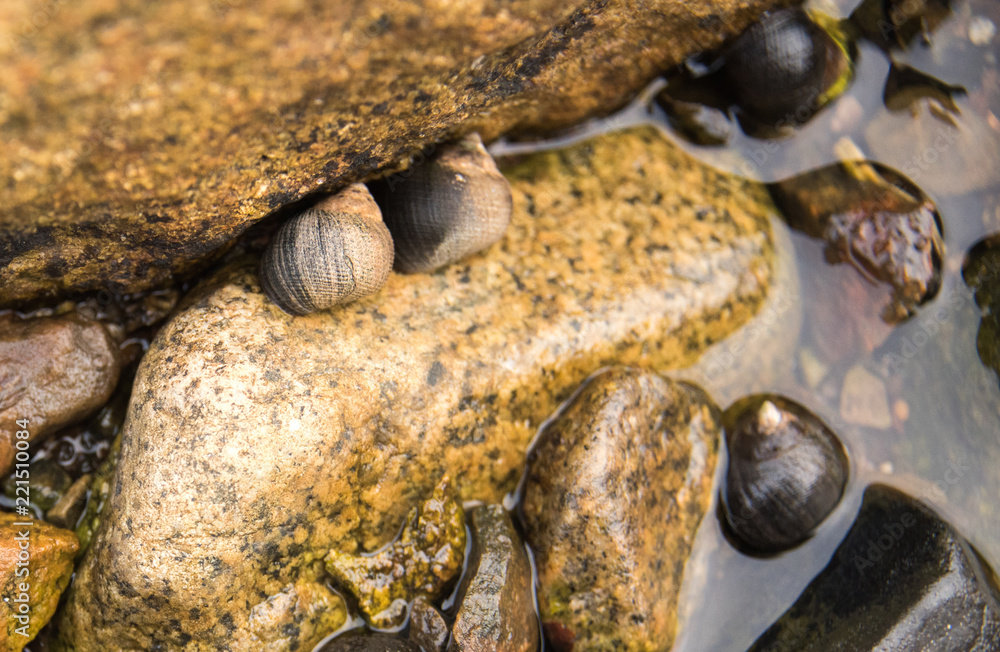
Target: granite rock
{"points": [[53, 371], [901, 580], [615, 489], [169, 128], [428, 630], [256, 442], [496, 607], [49, 553]]}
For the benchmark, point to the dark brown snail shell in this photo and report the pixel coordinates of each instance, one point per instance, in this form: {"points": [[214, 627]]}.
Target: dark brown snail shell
{"points": [[787, 471], [451, 206], [335, 252], [786, 66]]}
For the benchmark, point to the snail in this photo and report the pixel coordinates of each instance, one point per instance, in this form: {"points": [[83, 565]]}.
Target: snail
{"points": [[447, 208], [787, 471], [787, 66], [335, 252]]}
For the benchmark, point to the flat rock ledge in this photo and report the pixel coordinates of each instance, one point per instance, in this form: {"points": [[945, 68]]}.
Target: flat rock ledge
{"points": [[256, 441]]}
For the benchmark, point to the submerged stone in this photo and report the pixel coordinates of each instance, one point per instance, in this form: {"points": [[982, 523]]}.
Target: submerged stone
{"points": [[901, 580], [256, 442], [615, 489]]}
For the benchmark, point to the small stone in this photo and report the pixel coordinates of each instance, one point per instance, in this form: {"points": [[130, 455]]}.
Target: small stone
{"points": [[50, 564], [901, 410], [496, 607], [47, 481], [981, 30], [66, 512], [616, 487], [885, 468], [53, 372], [425, 559], [901, 580], [813, 370], [427, 627], [863, 399], [369, 644]]}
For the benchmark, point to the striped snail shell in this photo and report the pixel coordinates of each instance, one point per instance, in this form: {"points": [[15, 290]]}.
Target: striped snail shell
{"points": [[447, 208], [335, 252]]}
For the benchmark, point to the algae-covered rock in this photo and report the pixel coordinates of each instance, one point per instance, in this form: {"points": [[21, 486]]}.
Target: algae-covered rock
{"points": [[168, 128], [256, 442], [615, 489], [427, 556], [36, 561], [496, 611]]}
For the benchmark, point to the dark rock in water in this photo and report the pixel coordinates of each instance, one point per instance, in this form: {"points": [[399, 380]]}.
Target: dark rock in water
{"points": [[874, 219], [615, 489], [896, 23], [427, 627], [47, 482], [369, 644], [145, 149], [787, 472], [53, 371], [902, 580], [982, 274], [497, 608]]}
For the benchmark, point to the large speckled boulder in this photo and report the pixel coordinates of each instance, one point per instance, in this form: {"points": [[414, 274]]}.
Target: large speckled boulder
{"points": [[53, 371], [256, 442], [615, 490], [36, 561], [169, 127]]}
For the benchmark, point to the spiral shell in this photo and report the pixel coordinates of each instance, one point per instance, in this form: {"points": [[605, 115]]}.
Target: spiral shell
{"points": [[786, 66], [335, 252], [787, 471], [447, 208]]}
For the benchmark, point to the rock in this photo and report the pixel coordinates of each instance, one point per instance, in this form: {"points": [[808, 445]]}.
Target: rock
{"points": [[143, 150], [615, 489], [902, 580], [982, 273], [256, 442], [864, 400], [427, 556], [428, 630], [67, 511], [369, 644], [49, 554], [496, 610], [53, 371], [47, 482]]}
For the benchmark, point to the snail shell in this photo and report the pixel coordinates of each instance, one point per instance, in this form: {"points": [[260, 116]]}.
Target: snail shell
{"points": [[787, 471], [786, 66], [447, 208], [335, 252]]}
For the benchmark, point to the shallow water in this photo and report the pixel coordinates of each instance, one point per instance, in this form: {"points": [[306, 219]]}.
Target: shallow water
{"points": [[936, 435]]}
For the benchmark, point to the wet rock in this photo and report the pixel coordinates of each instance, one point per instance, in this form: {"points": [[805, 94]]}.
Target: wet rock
{"points": [[46, 483], [427, 556], [615, 490], [256, 442], [369, 644], [982, 274], [496, 607], [53, 371], [67, 510], [902, 580], [864, 400], [874, 219], [141, 151], [428, 630], [49, 554]]}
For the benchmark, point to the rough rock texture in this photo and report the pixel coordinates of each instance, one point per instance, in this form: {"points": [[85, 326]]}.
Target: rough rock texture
{"points": [[369, 644], [616, 488], [427, 557], [496, 607], [50, 551], [902, 580], [167, 128], [53, 371], [256, 441], [427, 627]]}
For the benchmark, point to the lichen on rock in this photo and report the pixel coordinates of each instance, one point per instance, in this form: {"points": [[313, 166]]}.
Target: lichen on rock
{"points": [[425, 559]]}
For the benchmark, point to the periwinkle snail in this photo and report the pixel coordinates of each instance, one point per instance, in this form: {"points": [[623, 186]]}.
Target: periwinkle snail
{"points": [[787, 471], [335, 252], [787, 66], [447, 208]]}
